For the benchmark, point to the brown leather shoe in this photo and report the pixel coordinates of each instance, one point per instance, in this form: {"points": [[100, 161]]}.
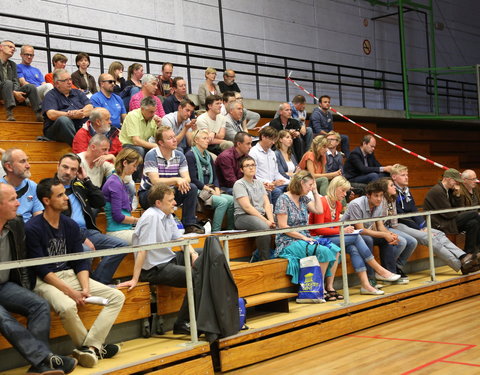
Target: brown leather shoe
{"points": [[469, 264], [194, 229]]}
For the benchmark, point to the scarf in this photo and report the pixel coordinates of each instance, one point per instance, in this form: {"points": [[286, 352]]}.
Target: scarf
{"points": [[204, 164]]}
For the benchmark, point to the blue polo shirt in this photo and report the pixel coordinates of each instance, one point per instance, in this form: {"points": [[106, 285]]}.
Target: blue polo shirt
{"points": [[31, 74], [29, 202], [114, 104], [59, 102]]}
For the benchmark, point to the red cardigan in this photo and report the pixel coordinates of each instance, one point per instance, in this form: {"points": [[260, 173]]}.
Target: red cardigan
{"points": [[326, 217]]}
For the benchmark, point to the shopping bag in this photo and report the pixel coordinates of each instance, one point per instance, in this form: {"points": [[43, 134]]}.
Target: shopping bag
{"points": [[310, 281]]}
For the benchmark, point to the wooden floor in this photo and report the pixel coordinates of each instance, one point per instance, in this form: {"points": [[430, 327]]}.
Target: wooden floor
{"points": [[444, 340]]}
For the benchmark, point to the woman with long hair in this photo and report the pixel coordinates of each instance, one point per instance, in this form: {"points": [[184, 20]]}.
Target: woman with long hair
{"points": [[360, 254], [116, 71], [286, 161], [81, 78]]}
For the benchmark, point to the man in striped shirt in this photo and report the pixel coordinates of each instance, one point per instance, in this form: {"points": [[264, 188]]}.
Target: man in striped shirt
{"points": [[165, 164]]}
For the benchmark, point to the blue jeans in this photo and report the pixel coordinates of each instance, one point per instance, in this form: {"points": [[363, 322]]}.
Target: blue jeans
{"points": [[31, 341], [275, 193], [109, 264], [389, 254], [366, 178], [62, 130], [345, 145], [409, 248], [358, 250]]}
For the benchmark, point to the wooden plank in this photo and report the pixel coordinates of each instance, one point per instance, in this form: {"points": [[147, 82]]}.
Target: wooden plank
{"points": [[38, 150], [260, 299], [41, 170], [20, 130], [136, 306], [256, 351], [197, 366]]}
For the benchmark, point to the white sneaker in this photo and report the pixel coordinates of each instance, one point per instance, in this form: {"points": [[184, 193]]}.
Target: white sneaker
{"points": [[85, 356]]}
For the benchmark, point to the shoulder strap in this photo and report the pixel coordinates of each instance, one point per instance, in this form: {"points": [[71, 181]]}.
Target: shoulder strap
{"points": [[22, 191]]}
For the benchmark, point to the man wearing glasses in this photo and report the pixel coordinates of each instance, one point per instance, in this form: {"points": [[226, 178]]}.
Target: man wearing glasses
{"points": [[65, 109], [107, 99], [10, 90], [29, 74], [228, 83], [334, 157]]}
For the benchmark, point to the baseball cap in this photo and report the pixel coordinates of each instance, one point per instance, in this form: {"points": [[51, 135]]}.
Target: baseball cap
{"points": [[453, 173]]}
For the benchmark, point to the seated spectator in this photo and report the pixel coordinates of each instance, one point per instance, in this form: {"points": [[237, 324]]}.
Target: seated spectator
{"points": [[334, 158], [208, 88], [446, 194], [249, 117], [362, 166], [10, 90], [17, 173], [119, 193], [321, 123], [287, 164], [292, 210], [81, 78], [227, 97], [253, 210], [83, 197], [97, 163], [267, 167], [65, 109], [139, 126], [416, 227], [355, 246], [59, 61], [165, 164], [469, 191], [165, 81], [116, 70], [202, 174], [31, 341], [215, 123], [99, 123], [149, 86], [374, 232], [234, 122], [65, 285], [390, 209], [299, 113], [106, 98], [299, 133], [161, 266], [227, 164], [29, 74], [133, 83], [314, 162], [228, 83], [179, 88], [181, 124]]}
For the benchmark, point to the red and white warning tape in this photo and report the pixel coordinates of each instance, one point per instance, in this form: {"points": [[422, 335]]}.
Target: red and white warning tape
{"points": [[369, 131]]}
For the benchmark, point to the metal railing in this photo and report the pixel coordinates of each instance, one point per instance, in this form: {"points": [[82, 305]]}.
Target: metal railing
{"points": [[349, 84], [186, 242]]}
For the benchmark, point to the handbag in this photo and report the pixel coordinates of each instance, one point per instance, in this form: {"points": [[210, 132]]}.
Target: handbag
{"points": [[206, 196], [310, 278]]}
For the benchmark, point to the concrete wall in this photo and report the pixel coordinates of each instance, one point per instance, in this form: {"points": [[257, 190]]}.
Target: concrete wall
{"points": [[329, 31]]}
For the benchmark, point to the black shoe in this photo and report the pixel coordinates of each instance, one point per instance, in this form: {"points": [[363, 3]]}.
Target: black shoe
{"points": [[194, 229], [43, 369], [61, 362], [109, 351], [181, 328]]}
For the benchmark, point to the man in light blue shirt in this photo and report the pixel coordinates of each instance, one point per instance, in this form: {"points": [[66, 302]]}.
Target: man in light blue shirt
{"points": [[107, 99], [29, 74]]}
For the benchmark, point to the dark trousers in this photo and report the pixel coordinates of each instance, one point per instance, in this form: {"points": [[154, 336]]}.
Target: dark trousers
{"points": [[62, 130], [31, 341], [469, 221], [6, 91]]}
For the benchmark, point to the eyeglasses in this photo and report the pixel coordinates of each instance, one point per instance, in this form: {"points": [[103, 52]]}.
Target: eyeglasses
{"points": [[231, 76], [9, 46], [111, 81], [64, 80], [249, 165], [28, 54]]}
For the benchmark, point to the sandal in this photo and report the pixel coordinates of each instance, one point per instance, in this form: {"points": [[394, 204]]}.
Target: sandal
{"points": [[334, 293], [329, 297]]}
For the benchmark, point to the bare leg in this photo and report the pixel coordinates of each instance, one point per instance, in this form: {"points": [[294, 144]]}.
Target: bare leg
{"points": [[364, 281], [379, 269]]}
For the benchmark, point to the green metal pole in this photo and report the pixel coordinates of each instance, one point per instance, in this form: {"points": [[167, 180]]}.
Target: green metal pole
{"points": [[433, 58], [403, 55]]}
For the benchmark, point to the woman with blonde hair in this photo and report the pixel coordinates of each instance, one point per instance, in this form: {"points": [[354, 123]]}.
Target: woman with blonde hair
{"points": [[119, 192], [314, 161], [286, 161], [209, 87], [359, 252], [116, 70], [202, 174]]}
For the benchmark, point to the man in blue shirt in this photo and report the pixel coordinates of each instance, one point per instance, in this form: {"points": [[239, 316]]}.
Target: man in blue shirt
{"points": [[29, 74], [17, 169], [107, 99], [65, 109]]}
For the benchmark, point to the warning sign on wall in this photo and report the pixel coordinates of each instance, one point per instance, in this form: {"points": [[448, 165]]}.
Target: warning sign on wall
{"points": [[367, 47]]}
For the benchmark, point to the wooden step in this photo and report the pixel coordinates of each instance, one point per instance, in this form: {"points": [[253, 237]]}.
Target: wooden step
{"points": [[38, 150], [43, 169], [20, 130]]}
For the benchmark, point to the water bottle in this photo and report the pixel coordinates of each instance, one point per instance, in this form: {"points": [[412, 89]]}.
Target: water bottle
{"points": [[180, 226]]}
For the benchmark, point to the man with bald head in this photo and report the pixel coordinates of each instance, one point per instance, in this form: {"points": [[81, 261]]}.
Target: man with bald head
{"points": [[98, 123], [228, 83], [469, 191], [107, 99], [17, 173], [29, 74]]}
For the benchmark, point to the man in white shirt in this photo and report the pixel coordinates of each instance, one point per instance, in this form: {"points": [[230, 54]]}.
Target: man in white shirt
{"points": [[215, 123], [96, 161], [181, 124], [267, 167]]}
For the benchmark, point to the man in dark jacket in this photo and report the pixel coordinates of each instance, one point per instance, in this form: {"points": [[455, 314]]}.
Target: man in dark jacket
{"points": [[10, 90], [15, 296], [446, 194], [362, 166], [83, 196]]}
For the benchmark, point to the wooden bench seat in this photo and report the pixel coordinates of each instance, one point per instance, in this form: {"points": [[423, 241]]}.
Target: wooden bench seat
{"points": [[136, 306]]}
